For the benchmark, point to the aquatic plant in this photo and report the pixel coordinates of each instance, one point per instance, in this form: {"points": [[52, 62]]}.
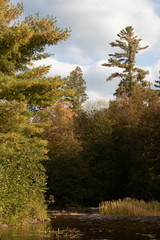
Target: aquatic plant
{"points": [[66, 233], [130, 207]]}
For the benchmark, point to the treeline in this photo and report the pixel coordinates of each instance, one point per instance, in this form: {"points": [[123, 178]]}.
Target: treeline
{"points": [[115, 156], [50, 145], [112, 151]]}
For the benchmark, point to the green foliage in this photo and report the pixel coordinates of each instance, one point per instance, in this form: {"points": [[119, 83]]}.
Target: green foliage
{"points": [[24, 94], [113, 154], [135, 140], [120, 148], [65, 169], [96, 137], [23, 179], [23, 42], [76, 82], [157, 85], [125, 59], [38, 92]]}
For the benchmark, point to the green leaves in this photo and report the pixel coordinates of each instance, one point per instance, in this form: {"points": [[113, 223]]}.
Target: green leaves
{"points": [[131, 75], [26, 95], [76, 82], [21, 43], [22, 174]]}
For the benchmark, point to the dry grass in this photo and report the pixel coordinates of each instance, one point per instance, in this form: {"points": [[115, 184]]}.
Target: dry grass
{"points": [[130, 207]]}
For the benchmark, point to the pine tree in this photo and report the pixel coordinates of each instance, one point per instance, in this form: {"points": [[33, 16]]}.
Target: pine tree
{"points": [[23, 42], [157, 84], [76, 82], [125, 59], [25, 92]]}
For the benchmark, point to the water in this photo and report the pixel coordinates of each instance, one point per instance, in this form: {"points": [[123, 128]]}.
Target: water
{"points": [[91, 227]]}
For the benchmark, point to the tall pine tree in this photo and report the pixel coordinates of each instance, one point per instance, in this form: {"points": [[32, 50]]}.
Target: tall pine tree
{"points": [[76, 82], [25, 93], [131, 76]]}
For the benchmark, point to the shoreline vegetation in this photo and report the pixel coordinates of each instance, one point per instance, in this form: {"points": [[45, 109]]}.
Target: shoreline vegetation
{"points": [[130, 207], [120, 207]]}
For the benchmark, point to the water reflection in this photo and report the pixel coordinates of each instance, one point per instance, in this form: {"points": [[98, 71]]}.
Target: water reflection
{"points": [[63, 227]]}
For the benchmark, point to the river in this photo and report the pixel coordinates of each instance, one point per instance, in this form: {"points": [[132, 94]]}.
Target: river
{"points": [[88, 226]]}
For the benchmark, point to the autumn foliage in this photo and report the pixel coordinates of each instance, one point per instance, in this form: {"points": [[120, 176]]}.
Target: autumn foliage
{"points": [[51, 145], [25, 92]]}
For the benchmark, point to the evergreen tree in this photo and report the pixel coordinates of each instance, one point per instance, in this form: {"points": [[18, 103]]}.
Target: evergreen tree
{"points": [[157, 84], [76, 82], [23, 42], [22, 90], [125, 59]]}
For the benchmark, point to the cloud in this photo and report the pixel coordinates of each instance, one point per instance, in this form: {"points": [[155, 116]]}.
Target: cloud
{"points": [[57, 68], [94, 24], [94, 74], [154, 72]]}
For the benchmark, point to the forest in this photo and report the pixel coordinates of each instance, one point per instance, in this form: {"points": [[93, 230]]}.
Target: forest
{"points": [[56, 149]]}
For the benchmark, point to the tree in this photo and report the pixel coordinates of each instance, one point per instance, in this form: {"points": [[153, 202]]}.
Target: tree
{"points": [[145, 179], [21, 43], [135, 129], [66, 170], [96, 137], [25, 92], [23, 179], [125, 59], [76, 82], [157, 84]]}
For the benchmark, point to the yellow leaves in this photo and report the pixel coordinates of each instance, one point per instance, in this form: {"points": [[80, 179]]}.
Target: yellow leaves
{"points": [[12, 116], [33, 88], [61, 130], [34, 73], [9, 13]]}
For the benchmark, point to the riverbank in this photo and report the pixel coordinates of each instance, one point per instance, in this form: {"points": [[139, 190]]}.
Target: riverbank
{"points": [[96, 226], [93, 213], [69, 225], [74, 211]]}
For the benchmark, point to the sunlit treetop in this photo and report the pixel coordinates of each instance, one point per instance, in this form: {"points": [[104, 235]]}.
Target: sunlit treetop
{"points": [[26, 41], [125, 59]]}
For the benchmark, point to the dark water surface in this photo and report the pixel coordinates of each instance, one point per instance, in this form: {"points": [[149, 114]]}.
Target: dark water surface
{"points": [[89, 227]]}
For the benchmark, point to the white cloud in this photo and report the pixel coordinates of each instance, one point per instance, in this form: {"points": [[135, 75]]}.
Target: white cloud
{"points": [[154, 72], [57, 68], [94, 24]]}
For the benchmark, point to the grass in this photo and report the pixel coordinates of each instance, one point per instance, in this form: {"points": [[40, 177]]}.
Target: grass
{"points": [[130, 207]]}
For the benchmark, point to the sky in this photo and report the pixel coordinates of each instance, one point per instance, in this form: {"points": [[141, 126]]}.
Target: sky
{"points": [[94, 24]]}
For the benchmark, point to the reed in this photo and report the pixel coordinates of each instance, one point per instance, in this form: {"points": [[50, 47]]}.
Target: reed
{"points": [[130, 207]]}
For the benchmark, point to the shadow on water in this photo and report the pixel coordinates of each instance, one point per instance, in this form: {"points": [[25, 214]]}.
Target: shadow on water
{"points": [[91, 227]]}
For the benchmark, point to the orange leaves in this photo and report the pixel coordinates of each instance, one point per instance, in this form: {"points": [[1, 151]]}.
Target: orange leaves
{"points": [[61, 133], [8, 14], [62, 117], [12, 116]]}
